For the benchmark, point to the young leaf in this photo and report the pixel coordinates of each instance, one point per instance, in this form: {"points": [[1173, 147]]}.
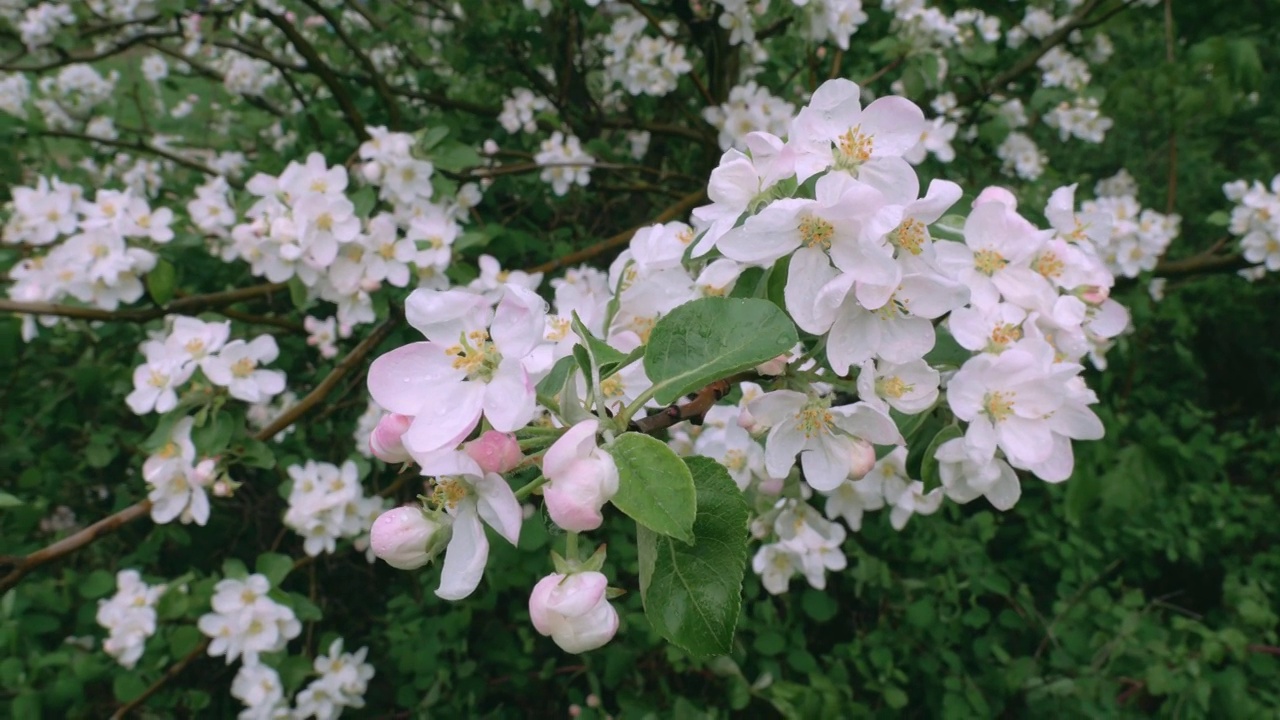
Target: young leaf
{"points": [[654, 486], [161, 281], [275, 566], [929, 464], [711, 338], [692, 594]]}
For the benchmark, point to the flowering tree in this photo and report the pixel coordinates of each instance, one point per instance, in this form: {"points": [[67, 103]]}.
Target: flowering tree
{"points": [[604, 301]]}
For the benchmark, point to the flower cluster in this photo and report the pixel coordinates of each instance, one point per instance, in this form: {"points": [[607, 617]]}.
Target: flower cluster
{"points": [[129, 617], [643, 64], [177, 482], [1139, 236], [327, 503], [564, 163], [750, 107], [1256, 220], [245, 622]]}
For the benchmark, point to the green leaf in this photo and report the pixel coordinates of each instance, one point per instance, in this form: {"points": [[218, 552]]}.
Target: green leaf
{"points": [[455, 157], [128, 685], [234, 568], [692, 594], [214, 436], [161, 281], [554, 381], [304, 608], [432, 137], [605, 356], [948, 227], [298, 293], [711, 338], [8, 501], [257, 454], [929, 464], [654, 486], [96, 584], [946, 351], [275, 566], [364, 200], [183, 640]]}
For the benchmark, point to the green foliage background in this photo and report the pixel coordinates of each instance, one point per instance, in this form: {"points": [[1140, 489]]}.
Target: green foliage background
{"points": [[1145, 585]]}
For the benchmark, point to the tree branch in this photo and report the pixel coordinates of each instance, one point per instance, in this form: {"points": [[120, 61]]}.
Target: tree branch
{"points": [[192, 305], [323, 71]]}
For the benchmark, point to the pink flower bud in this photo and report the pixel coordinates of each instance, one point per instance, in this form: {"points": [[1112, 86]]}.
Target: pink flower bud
{"points": [[1095, 295], [402, 537], [574, 610], [495, 452], [385, 442], [770, 486], [593, 701], [995, 193], [774, 366], [582, 478], [746, 420], [862, 459]]}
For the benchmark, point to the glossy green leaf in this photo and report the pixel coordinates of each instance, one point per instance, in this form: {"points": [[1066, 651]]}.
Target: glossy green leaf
{"points": [[693, 593], [711, 338], [654, 485]]}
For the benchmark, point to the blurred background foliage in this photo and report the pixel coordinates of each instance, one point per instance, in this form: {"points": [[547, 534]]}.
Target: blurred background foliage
{"points": [[1146, 585]]}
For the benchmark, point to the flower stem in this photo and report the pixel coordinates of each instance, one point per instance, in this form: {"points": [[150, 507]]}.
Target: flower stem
{"points": [[528, 489], [571, 547]]}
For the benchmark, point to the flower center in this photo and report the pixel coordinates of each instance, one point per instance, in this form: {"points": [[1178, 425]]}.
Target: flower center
{"points": [[814, 417], [387, 251], [816, 232], [988, 262], [1049, 265], [893, 387], [448, 492], [853, 148], [735, 460], [242, 368], [1004, 335], [476, 355], [909, 236], [611, 387], [157, 379], [195, 346], [325, 222], [998, 405]]}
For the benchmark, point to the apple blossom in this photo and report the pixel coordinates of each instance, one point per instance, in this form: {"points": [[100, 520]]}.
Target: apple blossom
{"points": [[574, 610], [582, 478]]}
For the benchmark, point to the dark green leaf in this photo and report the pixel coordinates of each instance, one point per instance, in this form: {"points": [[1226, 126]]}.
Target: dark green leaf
{"points": [[711, 338], [692, 594], [161, 281], [275, 566]]}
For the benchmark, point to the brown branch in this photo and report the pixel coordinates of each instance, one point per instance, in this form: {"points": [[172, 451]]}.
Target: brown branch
{"points": [[138, 146], [326, 386], [1203, 264], [681, 207], [317, 65], [191, 305], [173, 672], [111, 523], [379, 83], [73, 542]]}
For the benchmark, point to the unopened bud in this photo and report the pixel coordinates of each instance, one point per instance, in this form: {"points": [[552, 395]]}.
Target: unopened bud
{"points": [[582, 478], [862, 458], [386, 440], [372, 171], [404, 537], [773, 367], [1095, 295], [574, 610], [495, 452]]}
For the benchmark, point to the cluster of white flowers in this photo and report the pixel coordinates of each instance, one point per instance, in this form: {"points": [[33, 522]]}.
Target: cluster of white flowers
{"points": [[129, 617], [326, 502], [389, 163], [805, 543], [344, 678], [245, 622], [15, 90], [520, 110], [748, 109], [177, 481], [191, 344], [643, 64], [1081, 118], [1062, 69], [1138, 236], [1021, 156], [70, 97], [41, 23], [564, 162], [1256, 220], [832, 20], [89, 252]]}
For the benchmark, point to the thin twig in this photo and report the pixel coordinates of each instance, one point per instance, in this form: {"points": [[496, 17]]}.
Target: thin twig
{"points": [[192, 305]]}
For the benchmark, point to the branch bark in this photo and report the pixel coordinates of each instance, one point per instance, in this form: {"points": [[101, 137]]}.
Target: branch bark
{"points": [[192, 305]]}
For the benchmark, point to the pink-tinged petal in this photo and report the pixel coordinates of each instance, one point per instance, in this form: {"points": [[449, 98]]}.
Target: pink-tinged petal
{"points": [[855, 337], [575, 443], [509, 398], [826, 462], [405, 379], [808, 273], [270, 382], [734, 182], [1025, 441], [217, 369], [1109, 319], [1005, 492], [544, 621], [867, 423], [519, 322], [767, 236], [578, 594], [895, 123], [932, 296], [498, 506], [465, 559], [891, 176], [451, 411], [1077, 422], [780, 448], [905, 339], [1058, 466], [445, 315], [775, 407], [981, 437], [942, 194]]}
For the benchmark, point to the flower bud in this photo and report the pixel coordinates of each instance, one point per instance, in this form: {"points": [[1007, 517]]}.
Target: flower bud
{"points": [[582, 478], [774, 366], [404, 537], [862, 458], [385, 442], [372, 171], [574, 610], [495, 452], [1096, 295]]}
